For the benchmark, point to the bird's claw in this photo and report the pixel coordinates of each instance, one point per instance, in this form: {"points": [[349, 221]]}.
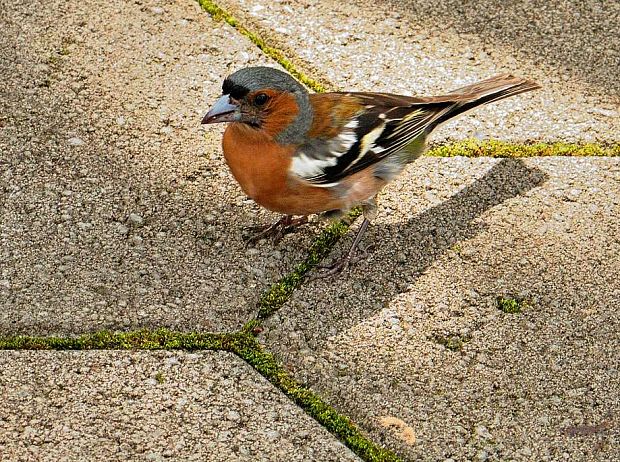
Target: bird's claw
{"points": [[275, 231], [341, 264], [335, 268]]}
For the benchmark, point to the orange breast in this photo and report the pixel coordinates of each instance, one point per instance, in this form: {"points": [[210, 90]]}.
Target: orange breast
{"points": [[260, 165]]}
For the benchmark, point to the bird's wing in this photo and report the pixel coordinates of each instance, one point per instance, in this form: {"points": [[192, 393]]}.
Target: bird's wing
{"points": [[352, 131], [359, 130]]}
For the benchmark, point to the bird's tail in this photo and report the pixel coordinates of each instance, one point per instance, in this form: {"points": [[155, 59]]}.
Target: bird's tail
{"points": [[487, 91]]}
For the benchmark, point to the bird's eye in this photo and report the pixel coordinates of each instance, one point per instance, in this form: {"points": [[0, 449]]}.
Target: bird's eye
{"points": [[261, 99]]}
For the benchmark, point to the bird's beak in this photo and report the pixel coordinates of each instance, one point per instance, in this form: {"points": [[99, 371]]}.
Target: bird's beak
{"points": [[222, 111]]}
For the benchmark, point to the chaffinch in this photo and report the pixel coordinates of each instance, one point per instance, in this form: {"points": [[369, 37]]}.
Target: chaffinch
{"points": [[299, 154]]}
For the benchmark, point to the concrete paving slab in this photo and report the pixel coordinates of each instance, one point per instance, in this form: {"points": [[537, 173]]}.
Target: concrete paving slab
{"points": [[427, 47], [412, 340], [117, 210], [154, 406]]}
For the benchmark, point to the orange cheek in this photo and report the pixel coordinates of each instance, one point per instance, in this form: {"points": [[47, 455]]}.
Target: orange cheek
{"points": [[282, 112]]}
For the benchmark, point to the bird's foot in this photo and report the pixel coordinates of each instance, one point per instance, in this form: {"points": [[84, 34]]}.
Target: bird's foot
{"points": [[352, 256], [275, 231], [336, 267], [341, 264]]}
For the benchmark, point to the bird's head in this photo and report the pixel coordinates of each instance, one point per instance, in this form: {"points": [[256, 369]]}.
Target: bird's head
{"points": [[265, 99]]}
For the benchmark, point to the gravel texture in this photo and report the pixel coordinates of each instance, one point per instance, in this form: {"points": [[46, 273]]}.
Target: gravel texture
{"points": [[102, 406], [415, 333], [117, 210], [427, 47]]}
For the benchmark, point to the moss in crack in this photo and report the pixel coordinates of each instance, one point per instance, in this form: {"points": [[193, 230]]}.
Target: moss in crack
{"points": [[496, 148], [252, 327], [452, 342], [219, 14], [160, 377], [248, 348], [243, 344], [511, 305], [279, 293], [106, 340]]}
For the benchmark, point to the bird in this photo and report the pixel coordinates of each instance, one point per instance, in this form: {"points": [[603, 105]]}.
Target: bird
{"points": [[299, 153]]}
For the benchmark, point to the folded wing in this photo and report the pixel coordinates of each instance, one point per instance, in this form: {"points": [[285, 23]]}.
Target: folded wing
{"points": [[353, 131]]}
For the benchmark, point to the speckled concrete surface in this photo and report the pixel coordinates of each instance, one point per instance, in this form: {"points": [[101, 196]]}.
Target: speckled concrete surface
{"points": [[117, 210], [452, 235], [428, 47], [108, 406]]}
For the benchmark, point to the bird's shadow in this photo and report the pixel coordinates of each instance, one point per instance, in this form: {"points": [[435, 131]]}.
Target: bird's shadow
{"points": [[338, 304]]}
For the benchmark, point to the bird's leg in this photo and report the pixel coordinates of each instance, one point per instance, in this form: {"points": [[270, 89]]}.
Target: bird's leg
{"points": [[343, 263], [277, 230], [369, 211]]}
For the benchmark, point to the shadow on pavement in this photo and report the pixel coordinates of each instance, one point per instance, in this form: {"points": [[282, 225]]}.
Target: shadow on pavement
{"points": [[334, 305]]}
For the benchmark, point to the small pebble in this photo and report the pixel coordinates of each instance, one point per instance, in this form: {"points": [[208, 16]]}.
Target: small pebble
{"points": [[75, 141], [482, 455], [136, 219], [272, 435], [483, 432], [233, 415]]}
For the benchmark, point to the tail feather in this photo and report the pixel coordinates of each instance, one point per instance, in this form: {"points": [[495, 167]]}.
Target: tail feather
{"points": [[484, 92]]}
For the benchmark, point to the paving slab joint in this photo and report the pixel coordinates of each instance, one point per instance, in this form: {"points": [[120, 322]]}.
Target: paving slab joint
{"points": [[276, 296], [243, 344], [496, 148], [219, 14]]}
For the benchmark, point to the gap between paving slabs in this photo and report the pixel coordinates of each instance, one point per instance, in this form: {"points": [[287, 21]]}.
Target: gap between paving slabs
{"points": [[243, 343]]}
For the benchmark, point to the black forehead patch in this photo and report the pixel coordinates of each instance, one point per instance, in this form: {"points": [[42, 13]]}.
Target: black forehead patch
{"points": [[235, 90]]}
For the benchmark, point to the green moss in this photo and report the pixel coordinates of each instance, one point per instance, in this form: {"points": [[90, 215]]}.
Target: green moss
{"points": [[496, 148], [264, 362], [279, 293], [242, 344], [105, 340], [511, 305], [219, 14], [253, 327], [53, 60]]}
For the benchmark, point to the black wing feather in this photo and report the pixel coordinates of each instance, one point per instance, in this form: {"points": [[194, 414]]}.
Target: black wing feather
{"points": [[394, 136]]}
